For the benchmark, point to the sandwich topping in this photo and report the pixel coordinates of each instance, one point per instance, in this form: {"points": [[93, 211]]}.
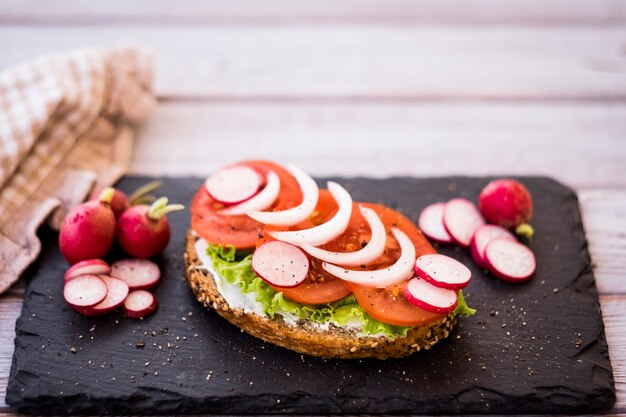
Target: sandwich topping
{"points": [[314, 255]]}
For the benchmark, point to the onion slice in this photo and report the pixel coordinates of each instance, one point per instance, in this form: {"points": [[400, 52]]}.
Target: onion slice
{"points": [[261, 201], [400, 271], [372, 251], [325, 232], [310, 194]]}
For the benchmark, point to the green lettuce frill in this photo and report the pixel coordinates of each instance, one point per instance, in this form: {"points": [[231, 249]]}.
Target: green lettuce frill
{"points": [[237, 270]]}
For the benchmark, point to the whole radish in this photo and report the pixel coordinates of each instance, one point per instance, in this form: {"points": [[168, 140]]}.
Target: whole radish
{"points": [[507, 203], [88, 230], [144, 231], [121, 201]]}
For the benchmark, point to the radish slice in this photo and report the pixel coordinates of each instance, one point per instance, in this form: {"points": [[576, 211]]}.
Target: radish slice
{"points": [[117, 292], [280, 264], [483, 235], [326, 232], [510, 260], [443, 271], [431, 223], [430, 298], [400, 271], [234, 184], [261, 201], [85, 291], [139, 304], [372, 251], [139, 274], [88, 267], [294, 215], [462, 218]]}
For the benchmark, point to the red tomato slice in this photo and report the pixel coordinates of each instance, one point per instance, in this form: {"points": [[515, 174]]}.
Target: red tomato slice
{"points": [[388, 305], [240, 231], [319, 287]]}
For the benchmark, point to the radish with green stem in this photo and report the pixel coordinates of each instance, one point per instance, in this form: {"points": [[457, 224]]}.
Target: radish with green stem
{"points": [[88, 230], [144, 231], [120, 201], [507, 203]]}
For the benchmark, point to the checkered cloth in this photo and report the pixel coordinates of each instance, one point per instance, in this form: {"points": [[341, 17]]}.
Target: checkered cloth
{"points": [[65, 128]]}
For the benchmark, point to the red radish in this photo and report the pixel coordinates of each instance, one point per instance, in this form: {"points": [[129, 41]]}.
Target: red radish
{"points": [[144, 231], [234, 184], [507, 203], [88, 230], [139, 304], [510, 260], [430, 298], [139, 274], [85, 291], [443, 271], [120, 201], [431, 223], [117, 292], [461, 219], [281, 264], [90, 266], [485, 234]]}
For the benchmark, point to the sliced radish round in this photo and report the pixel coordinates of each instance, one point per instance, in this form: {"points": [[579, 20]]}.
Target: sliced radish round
{"points": [[90, 266], [281, 264], [294, 215], [85, 291], [139, 274], [117, 292], [232, 185], [483, 235], [372, 251], [510, 260], [430, 298], [431, 223], [325, 232], [140, 303], [443, 271], [261, 201], [400, 271], [461, 219]]}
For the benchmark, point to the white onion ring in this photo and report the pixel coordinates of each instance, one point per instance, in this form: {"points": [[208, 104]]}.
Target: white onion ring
{"points": [[261, 201], [372, 251], [400, 271], [326, 232], [295, 215]]}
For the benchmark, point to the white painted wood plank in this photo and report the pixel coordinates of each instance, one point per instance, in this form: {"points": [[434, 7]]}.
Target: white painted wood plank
{"points": [[580, 144], [358, 61], [538, 12], [604, 216], [10, 309]]}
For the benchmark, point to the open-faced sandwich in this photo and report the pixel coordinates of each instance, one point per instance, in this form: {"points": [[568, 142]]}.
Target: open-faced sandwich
{"points": [[313, 271]]}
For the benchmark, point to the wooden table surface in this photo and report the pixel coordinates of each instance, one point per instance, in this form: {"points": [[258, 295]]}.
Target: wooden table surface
{"points": [[376, 88]]}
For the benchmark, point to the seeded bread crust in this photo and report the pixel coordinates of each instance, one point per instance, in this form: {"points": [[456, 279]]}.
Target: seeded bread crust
{"points": [[336, 342]]}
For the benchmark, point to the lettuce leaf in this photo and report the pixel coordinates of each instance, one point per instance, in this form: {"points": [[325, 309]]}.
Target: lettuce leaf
{"points": [[237, 270]]}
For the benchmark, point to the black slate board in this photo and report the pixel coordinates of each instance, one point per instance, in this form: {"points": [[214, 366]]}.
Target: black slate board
{"points": [[533, 348]]}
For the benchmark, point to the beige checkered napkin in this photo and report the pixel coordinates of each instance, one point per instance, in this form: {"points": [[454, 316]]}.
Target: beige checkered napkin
{"points": [[65, 127]]}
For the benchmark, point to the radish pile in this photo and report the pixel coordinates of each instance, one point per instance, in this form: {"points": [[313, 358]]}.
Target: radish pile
{"points": [[143, 231], [504, 203], [93, 288]]}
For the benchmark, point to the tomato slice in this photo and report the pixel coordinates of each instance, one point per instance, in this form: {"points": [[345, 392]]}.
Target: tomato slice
{"points": [[240, 231], [319, 287], [388, 305]]}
